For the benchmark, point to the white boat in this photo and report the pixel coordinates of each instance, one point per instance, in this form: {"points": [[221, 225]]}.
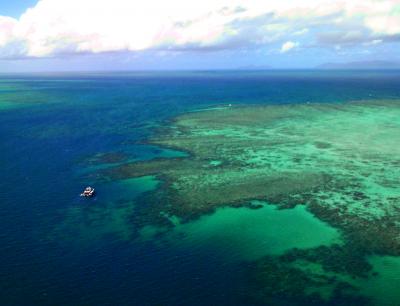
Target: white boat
{"points": [[88, 192]]}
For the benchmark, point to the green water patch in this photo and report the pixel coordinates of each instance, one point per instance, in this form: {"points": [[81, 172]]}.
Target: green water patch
{"points": [[383, 287], [215, 162], [247, 234], [9, 101], [14, 96], [4, 105]]}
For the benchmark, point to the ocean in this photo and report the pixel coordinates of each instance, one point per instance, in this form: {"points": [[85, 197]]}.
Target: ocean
{"points": [[59, 130]]}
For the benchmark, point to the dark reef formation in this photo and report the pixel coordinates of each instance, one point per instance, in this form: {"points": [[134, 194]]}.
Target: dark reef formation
{"points": [[341, 161], [279, 281]]}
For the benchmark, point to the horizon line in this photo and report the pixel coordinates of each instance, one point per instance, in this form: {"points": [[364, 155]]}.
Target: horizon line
{"points": [[203, 70]]}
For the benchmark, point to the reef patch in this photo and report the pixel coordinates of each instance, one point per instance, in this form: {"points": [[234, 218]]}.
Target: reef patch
{"points": [[339, 160]]}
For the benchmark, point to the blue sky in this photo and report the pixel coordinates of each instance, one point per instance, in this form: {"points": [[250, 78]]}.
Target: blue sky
{"points": [[15, 8], [59, 35]]}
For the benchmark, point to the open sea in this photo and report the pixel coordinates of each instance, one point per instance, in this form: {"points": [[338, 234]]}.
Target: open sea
{"points": [[56, 130]]}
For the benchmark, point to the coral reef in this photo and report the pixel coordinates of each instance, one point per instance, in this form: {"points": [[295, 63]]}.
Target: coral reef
{"points": [[275, 281], [340, 160]]}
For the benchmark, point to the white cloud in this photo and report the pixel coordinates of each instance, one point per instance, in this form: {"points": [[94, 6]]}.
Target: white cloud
{"points": [[382, 24], [301, 32], [289, 45], [7, 25], [55, 27], [373, 42]]}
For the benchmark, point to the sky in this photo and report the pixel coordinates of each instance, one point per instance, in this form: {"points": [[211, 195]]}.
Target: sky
{"points": [[15, 8], [84, 35]]}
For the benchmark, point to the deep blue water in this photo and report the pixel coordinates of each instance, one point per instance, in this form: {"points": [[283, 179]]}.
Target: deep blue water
{"points": [[53, 123]]}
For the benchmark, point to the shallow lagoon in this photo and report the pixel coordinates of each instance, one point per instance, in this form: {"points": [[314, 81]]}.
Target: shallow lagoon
{"points": [[243, 234]]}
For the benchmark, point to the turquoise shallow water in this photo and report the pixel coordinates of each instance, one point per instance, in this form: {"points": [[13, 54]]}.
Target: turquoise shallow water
{"points": [[250, 234], [58, 249]]}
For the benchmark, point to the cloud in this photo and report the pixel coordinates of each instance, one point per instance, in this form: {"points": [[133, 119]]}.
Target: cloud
{"points": [[301, 32], [373, 42], [57, 27], [289, 45]]}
